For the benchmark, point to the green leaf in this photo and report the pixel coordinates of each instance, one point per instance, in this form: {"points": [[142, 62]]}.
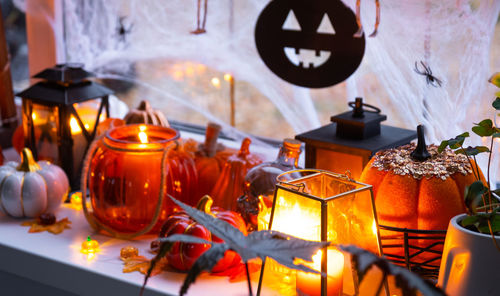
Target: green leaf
{"points": [[455, 143], [496, 103], [473, 194], [442, 146], [472, 150], [483, 226], [495, 79], [484, 129], [409, 282], [480, 222]]}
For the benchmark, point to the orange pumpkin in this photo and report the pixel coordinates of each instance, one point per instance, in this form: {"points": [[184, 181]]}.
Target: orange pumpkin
{"points": [[146, 114], [209, 163], [422, 195], [229, 185]]}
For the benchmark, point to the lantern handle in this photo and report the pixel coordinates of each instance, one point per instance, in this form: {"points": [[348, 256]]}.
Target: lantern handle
{"points": [[94, 223], [358, 105]]}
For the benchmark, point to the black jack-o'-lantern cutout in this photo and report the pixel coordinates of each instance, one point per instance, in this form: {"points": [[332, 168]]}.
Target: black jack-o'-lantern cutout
{"points": [[309, 43]]}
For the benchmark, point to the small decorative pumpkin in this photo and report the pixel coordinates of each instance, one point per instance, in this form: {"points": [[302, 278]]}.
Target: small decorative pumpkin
{"points": [[210, 158], [146, 114], [182, 255], [29, 189], [230, 184], [90, 246], [418, 188]]}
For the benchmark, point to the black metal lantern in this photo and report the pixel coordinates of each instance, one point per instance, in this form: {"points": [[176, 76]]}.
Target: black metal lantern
{"points": [[58, 123], [348, 143]]}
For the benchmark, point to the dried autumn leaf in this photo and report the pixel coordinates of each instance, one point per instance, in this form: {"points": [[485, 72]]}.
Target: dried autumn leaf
{"points": [[142, 264], [55, 228]]}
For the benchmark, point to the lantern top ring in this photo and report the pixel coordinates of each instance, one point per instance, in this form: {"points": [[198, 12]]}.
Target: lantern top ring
{"points": [[300, 181], [285, 177]]}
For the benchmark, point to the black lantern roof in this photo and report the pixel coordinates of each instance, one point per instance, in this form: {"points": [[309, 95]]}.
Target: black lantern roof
{"points": [[359, 129], [64, 84]]}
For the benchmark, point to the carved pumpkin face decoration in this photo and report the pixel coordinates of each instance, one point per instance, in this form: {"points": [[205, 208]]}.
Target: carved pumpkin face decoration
{"points": [[309, 43]]}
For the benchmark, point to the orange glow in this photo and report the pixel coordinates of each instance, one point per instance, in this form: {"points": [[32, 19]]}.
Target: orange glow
{"points": [[90, 246], [33, 116], [310, 283], [143, 137], [215, 82], [228, 77], [75, 128]]}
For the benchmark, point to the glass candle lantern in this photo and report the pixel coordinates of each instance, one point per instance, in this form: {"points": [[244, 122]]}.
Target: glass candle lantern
{"points": [[126, 171], [61, 114], [323, 206]]}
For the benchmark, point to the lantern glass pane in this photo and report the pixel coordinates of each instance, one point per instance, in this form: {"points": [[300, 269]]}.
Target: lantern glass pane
{"points": [[351, 220], [297, 215], [87, 112], [45, 121]]}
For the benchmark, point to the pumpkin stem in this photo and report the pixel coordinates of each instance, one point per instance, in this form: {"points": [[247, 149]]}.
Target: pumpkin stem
{"points": [[28, 163], [245, 147], [205, 204], [420, 153], [144, 106], [211, 136]]}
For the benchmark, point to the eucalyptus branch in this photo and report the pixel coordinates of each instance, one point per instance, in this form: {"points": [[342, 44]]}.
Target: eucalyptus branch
{"points": [[479, 179], [488, 175]]}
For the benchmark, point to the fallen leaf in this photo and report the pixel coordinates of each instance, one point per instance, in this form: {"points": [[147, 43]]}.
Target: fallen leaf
{"points": [[141, 264], [55, 228]]}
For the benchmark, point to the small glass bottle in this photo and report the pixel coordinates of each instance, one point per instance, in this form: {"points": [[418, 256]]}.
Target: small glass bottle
{"points": [[260, 182]]}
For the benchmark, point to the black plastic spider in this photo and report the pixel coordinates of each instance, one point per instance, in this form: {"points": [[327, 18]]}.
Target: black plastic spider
{"points": [[427, 72], [121, 30]]}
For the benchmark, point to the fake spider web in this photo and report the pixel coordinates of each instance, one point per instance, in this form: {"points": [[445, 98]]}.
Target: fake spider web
{"points": [[452, 37]]}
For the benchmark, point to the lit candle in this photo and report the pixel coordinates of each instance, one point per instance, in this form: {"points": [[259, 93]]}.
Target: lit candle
{"points": [[125, 177], [88, 115], [310, 283]]}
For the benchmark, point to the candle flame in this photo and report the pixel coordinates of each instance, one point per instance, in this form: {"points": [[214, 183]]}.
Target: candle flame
{"points": [[374, 228], [75, 128], [143, 137], [228, 77], [33, 116]]}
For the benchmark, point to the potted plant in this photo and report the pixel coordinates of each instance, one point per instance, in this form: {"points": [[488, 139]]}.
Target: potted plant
{"points": [[471, 251]]}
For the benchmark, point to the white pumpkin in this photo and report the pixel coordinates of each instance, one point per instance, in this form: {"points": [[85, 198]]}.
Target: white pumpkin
{"points": [[29, 189]]}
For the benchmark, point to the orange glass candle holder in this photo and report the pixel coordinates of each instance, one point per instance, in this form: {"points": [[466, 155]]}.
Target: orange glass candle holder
{"points": [[130, 171]]}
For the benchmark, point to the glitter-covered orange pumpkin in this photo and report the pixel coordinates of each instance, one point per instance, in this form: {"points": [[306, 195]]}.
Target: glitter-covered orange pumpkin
{"points": [[414, 194]]}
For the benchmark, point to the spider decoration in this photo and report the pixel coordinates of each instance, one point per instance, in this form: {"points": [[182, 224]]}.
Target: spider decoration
{"points": [[122, 31], [427, 72]]}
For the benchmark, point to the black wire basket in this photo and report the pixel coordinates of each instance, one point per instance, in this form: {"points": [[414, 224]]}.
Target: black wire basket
{"points": [[419, 251]]}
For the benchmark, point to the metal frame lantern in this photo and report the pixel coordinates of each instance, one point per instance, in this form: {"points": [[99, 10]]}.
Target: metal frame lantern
{"points": [[353, 137], [54, 127], [322, 206]]}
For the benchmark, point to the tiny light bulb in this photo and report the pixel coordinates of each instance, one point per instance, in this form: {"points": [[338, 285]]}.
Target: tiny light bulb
{"points": [[216, 82], [33, 116]]}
